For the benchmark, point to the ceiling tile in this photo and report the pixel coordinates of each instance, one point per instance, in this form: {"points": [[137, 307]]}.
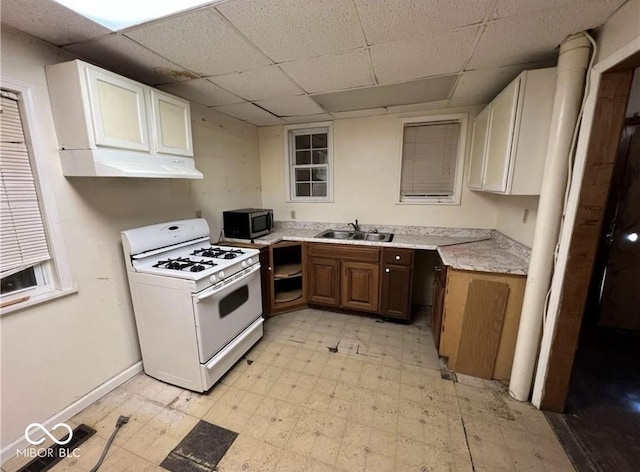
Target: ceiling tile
{"points": [[287, 30], [486, 81], [201, 91], [330, 73], [201, 41], [425, 90], [359, 113], [404, 60], [291, 106], [308, 118], [50, 21], [506, 8], [122, 55], [435, 105], [251, 113], [258, 84], [392, 20], [534, 37], [471, 101]]}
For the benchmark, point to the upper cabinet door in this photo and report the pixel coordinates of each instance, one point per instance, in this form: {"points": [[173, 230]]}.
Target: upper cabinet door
{"points": [[118, 110], [478, 144], [172, 124], [499, 145]]}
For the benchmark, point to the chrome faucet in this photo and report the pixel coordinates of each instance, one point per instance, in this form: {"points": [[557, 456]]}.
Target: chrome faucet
{"points": [[356, 226]]}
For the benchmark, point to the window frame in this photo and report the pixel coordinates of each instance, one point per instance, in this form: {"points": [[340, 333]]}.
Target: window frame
{"points": [[455, 199], [56, 273], [290, 166]]}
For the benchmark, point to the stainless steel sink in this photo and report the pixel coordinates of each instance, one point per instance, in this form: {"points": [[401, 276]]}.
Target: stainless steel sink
{"points": [[355, 235]]}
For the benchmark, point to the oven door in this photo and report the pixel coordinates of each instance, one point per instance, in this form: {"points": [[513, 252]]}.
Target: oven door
{"points": [[221, 313]]}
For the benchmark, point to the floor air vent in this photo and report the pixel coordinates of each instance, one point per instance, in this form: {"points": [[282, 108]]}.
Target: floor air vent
{"points": [[50, 456]]}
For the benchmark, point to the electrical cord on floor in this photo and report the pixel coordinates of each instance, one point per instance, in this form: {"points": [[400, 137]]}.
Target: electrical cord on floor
{"points": [[121, 420]]}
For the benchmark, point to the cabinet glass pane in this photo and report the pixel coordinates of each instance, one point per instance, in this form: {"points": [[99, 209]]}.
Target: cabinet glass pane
{"points": [[119, 112], [173, 125]]}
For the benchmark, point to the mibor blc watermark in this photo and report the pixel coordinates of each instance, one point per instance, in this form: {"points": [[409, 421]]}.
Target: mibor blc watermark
{"points": [[34, 452]]}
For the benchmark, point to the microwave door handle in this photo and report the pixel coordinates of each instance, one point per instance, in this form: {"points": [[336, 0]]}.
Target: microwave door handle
{"points": [[213, 291], [269, 221]]}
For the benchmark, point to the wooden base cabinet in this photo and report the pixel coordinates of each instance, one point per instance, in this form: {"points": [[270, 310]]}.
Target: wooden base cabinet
{"points": [[439, 284], [344, 276], [396, 277], [323, 281], [360, 282], [465, 310]]}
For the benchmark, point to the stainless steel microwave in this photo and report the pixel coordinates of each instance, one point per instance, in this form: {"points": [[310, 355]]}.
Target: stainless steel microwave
{"points": [[247, 223]]}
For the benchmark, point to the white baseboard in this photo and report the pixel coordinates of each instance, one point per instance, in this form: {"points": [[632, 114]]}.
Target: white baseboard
{"points": [[76, 407]]}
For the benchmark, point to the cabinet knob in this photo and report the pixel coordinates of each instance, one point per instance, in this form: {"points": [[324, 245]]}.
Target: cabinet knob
{"points": [[269, 267], [438, 269], [397, 258], [387, 270]]}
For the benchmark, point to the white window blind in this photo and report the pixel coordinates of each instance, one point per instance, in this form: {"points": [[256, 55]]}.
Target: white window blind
{"points": [[22, 238], [429, 159]]}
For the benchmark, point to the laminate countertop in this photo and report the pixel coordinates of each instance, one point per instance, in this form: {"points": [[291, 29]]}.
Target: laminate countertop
{"points": [[460, 248]]}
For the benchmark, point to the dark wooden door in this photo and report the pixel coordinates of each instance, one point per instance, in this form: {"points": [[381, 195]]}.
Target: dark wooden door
{"points": [[324, 281], [266, 278], [620, 299], [360, 286], [396, 291]]}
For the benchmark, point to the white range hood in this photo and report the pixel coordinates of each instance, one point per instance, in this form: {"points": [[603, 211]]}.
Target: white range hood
{"points": [[121, 163]]}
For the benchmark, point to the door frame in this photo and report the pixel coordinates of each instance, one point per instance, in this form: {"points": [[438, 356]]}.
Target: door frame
{"points": [[610, 82]]}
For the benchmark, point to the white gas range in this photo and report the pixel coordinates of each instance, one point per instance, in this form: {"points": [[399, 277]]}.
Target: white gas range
{"points": [[197, 306]]}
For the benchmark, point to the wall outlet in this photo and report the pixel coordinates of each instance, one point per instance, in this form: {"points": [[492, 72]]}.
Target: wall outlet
{"points": [[198, 213], [293, 214], [525, 215]]}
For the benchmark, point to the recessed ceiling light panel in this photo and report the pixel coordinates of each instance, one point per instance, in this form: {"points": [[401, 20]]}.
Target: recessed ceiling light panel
{"points": [[120, 14]]}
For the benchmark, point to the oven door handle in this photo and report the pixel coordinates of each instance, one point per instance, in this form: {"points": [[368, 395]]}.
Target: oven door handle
{"points": [[236, 278]]}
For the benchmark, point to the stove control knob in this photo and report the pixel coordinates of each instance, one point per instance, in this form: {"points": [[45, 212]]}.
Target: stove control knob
{"points": [[221, 275], [212, 279], [243, 264], [250, 261]]}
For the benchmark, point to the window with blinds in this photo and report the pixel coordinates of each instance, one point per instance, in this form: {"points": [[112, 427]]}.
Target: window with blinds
{"points": [[429, 160], [23, 243]]}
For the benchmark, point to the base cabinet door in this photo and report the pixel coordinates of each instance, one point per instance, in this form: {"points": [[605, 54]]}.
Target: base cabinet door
{"points": [[438, 308], [396, 292], [360, 281], [324, 281]]}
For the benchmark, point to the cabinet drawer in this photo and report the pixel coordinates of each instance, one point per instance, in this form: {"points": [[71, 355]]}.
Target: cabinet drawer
{"points": [[397, 256], [344, 252]]}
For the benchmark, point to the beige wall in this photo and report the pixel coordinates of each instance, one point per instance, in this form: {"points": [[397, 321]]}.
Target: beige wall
{"points": [[367, 165], [55, 353]]}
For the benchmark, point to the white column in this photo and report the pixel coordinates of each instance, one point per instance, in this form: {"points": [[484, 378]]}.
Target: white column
{"points": [[571, 70]]}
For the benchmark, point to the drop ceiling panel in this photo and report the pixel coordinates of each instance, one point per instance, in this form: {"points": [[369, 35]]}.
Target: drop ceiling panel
{"points": [[486, 81], [392, 20], [201, 91], [405, 60], [250, 113], [435, 105], [506, 8], [533, 37], [50, 21], [360, 113], [201, 41], [331, 73], [122, 55], [308, 118], [258, 84], [425, 90], [291, 106], [287, 30]]}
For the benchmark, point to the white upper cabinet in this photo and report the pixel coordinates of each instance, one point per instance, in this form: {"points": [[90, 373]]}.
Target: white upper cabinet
{"points": [[509, 143], [118, 111], [94, 108], [172, 120]]}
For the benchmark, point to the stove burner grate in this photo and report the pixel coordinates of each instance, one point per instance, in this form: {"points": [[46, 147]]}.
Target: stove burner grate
{"points": [[183, 263], [218, 253]]}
